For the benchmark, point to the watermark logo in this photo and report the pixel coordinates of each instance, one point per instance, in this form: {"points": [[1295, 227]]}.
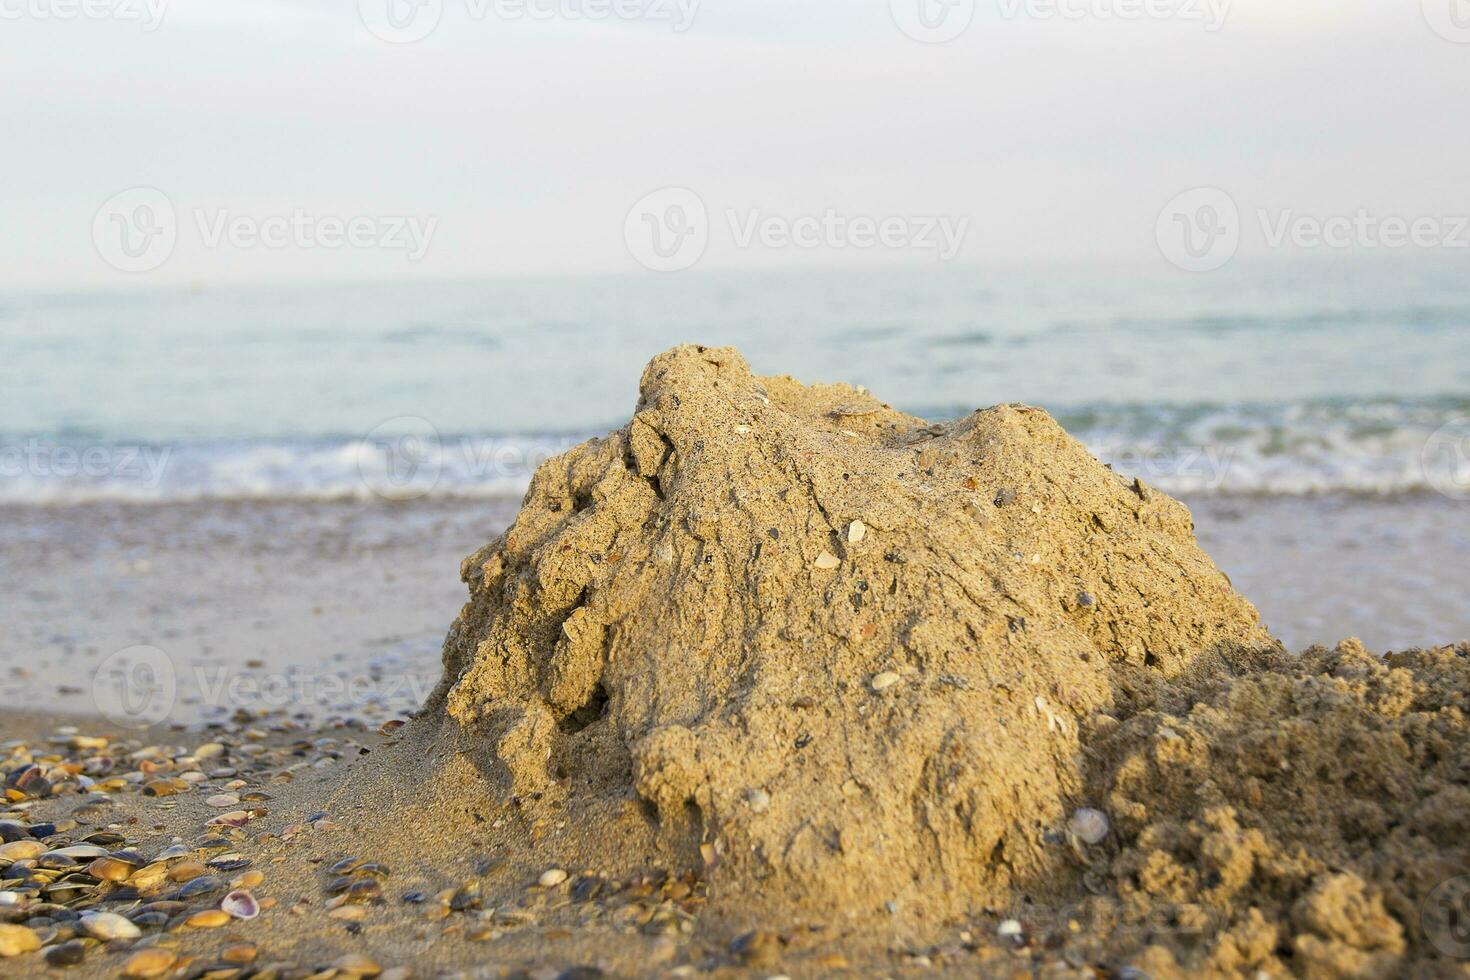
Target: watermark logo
{"points": [[143, 466], [407, 21], [1186, 468], [136, 686], [668, 230], [1199, 231], [1363, 229], [1210, 13], [147, 13], [941, 234], [136, 230], [405, 458], [1450, 19], [402, 459], [401, 21], [933, 21], [1445, 917], [410, 234], [1445, 459]]}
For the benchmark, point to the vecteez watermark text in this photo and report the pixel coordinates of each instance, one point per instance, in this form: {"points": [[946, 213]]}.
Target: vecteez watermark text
{"points": [[41, 459], [410, 21], [138, 229], [147, 14], [670, 229]]}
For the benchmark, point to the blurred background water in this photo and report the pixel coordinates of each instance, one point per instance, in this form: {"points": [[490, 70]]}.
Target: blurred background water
{"points": [[1291, 377]]}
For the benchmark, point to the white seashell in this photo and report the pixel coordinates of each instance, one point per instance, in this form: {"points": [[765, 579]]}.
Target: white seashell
{"points": [[108, 926], [240, 904], [553, 878], [827, 561], [1089, 826]]}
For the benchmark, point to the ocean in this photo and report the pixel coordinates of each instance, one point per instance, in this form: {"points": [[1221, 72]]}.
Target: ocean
{"points": [[1293, 378]]}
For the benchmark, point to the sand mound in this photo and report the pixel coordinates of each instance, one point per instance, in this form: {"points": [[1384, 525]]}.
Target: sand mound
{"points": [[829, 656], [1309, 819]]}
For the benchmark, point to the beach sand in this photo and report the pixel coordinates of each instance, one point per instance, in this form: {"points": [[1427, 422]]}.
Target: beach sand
{"points": [[1244, 810], [322, 593]]}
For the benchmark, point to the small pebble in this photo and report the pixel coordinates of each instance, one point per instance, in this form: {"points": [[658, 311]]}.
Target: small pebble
{"points": [[553, 878], [856, 531], [827, 561]]}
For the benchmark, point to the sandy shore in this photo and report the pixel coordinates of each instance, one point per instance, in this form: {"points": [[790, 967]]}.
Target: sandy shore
{"points": [[1238, 809], [341, 608]]}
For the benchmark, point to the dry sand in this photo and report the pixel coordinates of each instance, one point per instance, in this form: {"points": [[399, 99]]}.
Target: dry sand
{"points": [[778, 680]]}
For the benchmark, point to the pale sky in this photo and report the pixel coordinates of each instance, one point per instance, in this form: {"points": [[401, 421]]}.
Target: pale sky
{"points": [[519, 146]]}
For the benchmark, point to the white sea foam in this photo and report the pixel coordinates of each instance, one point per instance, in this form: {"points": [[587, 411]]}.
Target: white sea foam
{"points": [[1377, 447]]}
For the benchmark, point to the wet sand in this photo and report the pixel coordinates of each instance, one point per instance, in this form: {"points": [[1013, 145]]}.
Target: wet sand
{"points": [[341, 608]]}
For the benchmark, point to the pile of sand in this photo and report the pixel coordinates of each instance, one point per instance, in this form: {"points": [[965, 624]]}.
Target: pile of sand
{"points": [[859, 671]]}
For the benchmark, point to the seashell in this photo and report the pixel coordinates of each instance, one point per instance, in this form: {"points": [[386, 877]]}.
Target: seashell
{"points": [[1088, 825], [235, 818], [345, 866], [552, 878], [205, 885], [147, 963], [22, 850], [69, 953], [79, 851], [108, 926], [15, 940], [239, 953], [187, 871], [357, 965], [240, 905], [111, 869], [208, 919]]}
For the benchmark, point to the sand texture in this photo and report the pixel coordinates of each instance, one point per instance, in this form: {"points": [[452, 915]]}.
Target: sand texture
{"points": [[838, 655]]}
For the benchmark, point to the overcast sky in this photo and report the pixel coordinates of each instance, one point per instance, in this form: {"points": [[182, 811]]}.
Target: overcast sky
{"points": [[506, 144]]}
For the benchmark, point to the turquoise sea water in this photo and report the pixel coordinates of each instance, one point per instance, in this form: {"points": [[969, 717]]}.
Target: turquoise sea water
{"points": [[1290, 378]]}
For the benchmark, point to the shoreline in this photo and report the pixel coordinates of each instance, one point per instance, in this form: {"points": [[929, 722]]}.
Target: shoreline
{"points": [[343, 606]]}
